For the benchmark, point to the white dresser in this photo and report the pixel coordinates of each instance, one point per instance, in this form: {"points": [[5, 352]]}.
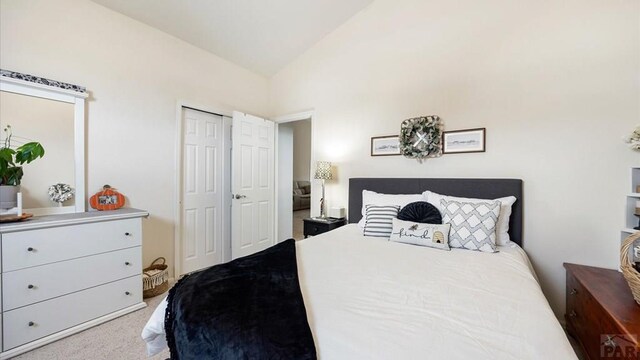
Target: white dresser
{"points": [[62, 274]]}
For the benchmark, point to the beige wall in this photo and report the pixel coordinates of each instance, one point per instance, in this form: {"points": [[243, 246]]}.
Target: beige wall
{"points": [[554, 82], [135, 75], [301, 149]]}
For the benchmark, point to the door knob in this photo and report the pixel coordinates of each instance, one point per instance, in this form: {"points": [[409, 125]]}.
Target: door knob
{"points": [[238, 196]]}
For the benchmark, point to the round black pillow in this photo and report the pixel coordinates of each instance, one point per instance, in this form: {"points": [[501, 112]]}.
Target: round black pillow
{"points": [[420, 212]]}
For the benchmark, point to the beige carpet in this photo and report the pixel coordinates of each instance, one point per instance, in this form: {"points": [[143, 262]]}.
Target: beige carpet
{"points": [[298, 224], [117, 339]]}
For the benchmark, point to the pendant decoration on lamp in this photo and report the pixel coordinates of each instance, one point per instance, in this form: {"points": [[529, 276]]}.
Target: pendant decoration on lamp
{"points": [[323, 172], [421, 137]]}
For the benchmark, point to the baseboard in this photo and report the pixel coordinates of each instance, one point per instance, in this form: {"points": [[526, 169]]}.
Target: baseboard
{"points": [[67, 332]]}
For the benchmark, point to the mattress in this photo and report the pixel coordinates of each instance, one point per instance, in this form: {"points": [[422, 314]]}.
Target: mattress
{"points": [[368, 298]]}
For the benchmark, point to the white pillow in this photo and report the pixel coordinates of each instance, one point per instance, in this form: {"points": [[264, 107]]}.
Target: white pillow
{"points": [[502, 228], [374, 198], [429, 235], [473, 225], [379, 220]]}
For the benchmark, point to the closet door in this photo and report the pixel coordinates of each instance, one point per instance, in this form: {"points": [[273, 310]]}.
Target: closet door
{"points": [[252, 184], [202, 190]]}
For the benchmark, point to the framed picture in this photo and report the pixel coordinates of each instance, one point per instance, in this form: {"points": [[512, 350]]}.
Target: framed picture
{"points": [[385, 145], [464, 141]]}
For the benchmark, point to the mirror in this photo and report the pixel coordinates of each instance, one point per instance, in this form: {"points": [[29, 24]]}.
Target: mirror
{"points": [[50, 123], [51, 113]]}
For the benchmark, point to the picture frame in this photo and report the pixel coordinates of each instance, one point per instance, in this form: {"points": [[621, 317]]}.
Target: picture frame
{"points": [[385, 145], [464, 141]]}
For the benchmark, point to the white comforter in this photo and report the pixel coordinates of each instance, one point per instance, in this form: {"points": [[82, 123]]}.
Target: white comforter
{"points": [[368, 298]]}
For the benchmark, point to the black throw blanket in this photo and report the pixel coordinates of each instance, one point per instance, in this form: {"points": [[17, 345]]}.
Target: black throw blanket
{"points": [[249, 308]]}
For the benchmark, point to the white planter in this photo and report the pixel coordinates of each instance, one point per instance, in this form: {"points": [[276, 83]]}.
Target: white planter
{"points": [[9, 196]]}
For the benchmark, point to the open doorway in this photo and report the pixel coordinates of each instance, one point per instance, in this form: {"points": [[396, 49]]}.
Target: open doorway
{"points": [[294, 177]]}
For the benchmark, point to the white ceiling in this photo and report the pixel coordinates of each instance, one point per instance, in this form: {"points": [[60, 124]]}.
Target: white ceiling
{"points": [[260, 35]]}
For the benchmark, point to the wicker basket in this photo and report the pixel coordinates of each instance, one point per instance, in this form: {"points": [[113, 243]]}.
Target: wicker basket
{"points": [[155, 278], [626, 265]]}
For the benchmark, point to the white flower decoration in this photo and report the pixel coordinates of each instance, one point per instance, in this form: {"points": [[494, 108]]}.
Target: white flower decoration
{"points": [[60, 192]]}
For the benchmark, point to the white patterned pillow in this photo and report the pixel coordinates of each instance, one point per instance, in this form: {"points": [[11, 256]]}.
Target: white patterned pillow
{"points": [[430, 235], [379, 220], [473, 225], [502, 229]]}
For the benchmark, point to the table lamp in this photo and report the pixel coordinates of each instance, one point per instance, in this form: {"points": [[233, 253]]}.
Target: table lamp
{"points": [[323, 172]]}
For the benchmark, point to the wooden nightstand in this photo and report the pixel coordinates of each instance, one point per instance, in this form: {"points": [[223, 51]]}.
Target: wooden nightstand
{"points": [[601, 313], [314, 226]]}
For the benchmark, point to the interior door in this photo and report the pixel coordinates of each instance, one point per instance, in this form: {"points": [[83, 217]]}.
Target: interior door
{"points": [[285, 181], [252, 184], [203, 190]]}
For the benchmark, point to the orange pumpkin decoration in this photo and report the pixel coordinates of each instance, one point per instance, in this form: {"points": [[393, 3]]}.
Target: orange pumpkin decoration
{"points": [[107, 199]]}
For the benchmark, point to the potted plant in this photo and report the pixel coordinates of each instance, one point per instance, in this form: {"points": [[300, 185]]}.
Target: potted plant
{"points": [[11, 161]]}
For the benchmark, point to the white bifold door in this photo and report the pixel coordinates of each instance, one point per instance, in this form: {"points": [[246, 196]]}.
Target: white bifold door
{"points": [[202, 212], [252, 184]]}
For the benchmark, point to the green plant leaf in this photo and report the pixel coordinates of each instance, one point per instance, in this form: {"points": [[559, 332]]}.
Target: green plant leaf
{"points": [[6, 154], [6, 158], [29, 152], [12, 175]]}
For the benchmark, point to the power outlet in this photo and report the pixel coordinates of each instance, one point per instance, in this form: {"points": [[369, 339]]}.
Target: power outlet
{"points": [[636, 252]]}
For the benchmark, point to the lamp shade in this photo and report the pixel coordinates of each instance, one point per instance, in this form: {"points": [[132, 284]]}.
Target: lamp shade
{"points": [[323, 170]]}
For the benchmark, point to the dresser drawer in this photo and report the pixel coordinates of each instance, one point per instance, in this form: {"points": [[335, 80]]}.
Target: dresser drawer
{"points": [[39, 320], [311, 229], [31, 285], [575, 298], [38, 247], [588, 322]]}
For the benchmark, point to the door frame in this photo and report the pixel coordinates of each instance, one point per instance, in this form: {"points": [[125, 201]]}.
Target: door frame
{"points": [[303, 115], [226, 164]]}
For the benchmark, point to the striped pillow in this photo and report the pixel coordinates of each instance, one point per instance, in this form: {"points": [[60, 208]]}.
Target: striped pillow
{"points": [[379, 220]]}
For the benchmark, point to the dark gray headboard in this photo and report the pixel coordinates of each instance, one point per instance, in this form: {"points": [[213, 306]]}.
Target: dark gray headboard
{"points": [[472, 188]]}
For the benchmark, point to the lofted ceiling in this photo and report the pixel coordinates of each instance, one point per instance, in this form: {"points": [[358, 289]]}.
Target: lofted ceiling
{"points": [[260, 35]]}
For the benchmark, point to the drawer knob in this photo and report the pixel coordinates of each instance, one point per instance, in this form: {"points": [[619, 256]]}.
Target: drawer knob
{"points": [[30, 249], [573, 291], [127, 293], [30, 286], [31, 323], [127, 234], [573, 314], [127, 263]]}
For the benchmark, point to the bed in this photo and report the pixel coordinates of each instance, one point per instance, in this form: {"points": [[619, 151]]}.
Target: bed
{"points": [[369, 298]]}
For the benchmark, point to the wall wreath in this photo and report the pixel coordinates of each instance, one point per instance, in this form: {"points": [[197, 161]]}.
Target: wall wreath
{"points": [[421, 137]]}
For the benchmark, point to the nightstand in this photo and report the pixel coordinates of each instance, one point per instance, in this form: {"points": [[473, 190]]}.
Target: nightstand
{"points": [[314, 226], [601, 313]]}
